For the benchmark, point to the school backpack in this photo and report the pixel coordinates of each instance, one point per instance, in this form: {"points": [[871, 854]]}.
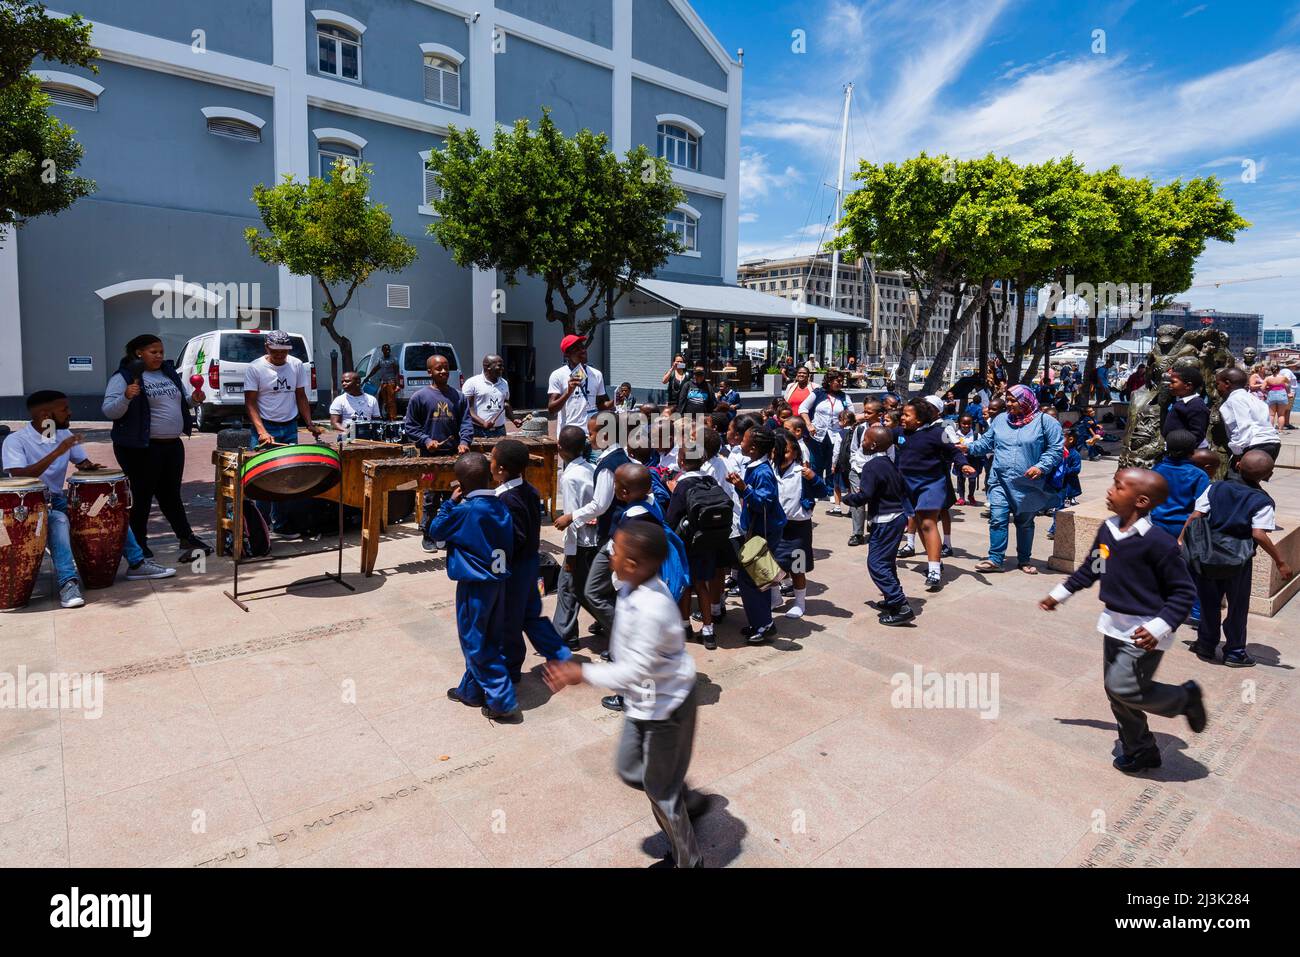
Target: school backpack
{"points": [[1212, 553], [707, 523], [257, 537]]}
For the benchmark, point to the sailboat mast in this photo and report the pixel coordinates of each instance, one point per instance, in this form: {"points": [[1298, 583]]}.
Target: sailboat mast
{"points": [[839, 206]]}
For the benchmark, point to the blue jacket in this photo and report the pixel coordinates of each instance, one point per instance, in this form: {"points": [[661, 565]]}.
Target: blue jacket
{"points": [[1186, 483], [442, 416], [132, 429], [479, 536], [676, 569], [760, 506], [1015, 450]]}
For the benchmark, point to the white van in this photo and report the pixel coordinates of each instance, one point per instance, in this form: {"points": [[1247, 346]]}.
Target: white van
{"points": [[221, 357], [413, 361]]}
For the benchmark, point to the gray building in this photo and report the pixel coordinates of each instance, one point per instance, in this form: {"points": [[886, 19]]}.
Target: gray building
{"points": [[195, 103], [1244, 329]]}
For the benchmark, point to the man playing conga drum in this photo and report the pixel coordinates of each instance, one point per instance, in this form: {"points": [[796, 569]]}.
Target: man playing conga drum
{"points": [[42, 449]]}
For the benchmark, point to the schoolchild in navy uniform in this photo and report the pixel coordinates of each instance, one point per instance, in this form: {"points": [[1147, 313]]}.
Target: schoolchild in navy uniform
{"points": [[760, 514], [694, 484], [599, 590], [523, 601], [968, 485], [925, 456], [577, 486], [476, 527], [800, 488], [1147, 592], [1188, 412], [1244, 511], [883, 493]]}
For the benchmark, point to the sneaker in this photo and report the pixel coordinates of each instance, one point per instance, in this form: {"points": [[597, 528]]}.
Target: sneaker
{"points": [[934, 581], [787, 589], [453, 694], [906, 551], [881, 606], [855, 541], [429, 545], [148, 569], [1239, 660], [961, 501], [1195, 710], [972, 503], [1133, 763], [899, 617], [281, 537], [733, 591], [70, 594]]}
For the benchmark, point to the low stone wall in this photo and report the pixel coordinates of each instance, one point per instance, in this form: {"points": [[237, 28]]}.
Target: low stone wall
{"points": [[1290, 455], [1076, 529]]}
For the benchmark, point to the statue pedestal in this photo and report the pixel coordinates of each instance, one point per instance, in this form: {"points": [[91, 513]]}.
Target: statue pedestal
{"points": [[1076, 528], [1289, 458]]}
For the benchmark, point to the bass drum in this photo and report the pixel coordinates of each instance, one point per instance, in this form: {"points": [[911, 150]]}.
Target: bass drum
{"points": [[24, 517], [99, 505], [289, 472]]}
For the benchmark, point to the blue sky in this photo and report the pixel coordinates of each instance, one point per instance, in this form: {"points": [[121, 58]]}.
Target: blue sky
{"points": [[1183, 88]]}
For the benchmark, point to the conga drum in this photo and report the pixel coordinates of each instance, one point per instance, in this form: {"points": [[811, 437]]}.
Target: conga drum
{"points": [[286, 473], [23, 528], [99, 505]]}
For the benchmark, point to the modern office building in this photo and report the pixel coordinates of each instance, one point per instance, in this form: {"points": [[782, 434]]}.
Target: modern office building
{"points": [[1277, 336], [1243, 328], [196, 102], [882, 299]]}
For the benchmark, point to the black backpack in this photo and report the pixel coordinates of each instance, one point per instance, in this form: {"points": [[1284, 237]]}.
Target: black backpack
{"points": [[257, 536], [707, 523], [1214, 554]]}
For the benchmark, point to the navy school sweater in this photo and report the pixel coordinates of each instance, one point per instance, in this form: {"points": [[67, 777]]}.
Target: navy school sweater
{"points": [[477, 531], [1233, 506], [1143, 574], [614, 459], [925, 454], [881, 489], [525, 507], [1191, 416]]}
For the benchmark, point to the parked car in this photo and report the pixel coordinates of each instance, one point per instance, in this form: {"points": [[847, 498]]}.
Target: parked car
{"points": [[221, 357], [413, 360]]}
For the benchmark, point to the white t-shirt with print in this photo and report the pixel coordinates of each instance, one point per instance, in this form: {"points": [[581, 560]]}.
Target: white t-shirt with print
{"points": [[277, 387], [488, 399], [359, 408], [580, 406]]}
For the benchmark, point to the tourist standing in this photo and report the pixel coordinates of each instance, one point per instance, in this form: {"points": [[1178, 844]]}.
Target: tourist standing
{"points": [[390, 375], [674, 379]]}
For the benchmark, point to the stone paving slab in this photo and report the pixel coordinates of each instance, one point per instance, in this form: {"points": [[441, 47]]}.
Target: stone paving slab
{"points": [[313, 730]]}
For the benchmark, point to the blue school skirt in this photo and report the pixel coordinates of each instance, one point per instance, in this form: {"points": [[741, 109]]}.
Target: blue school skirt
{"points": [[796, 540], [930, 493], [703, 567]]}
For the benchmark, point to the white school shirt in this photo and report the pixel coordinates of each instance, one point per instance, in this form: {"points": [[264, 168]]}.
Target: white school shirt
{"points": [[578, 486], [1264, 518], [580, 406], [1245, 416], [277, 387], [651, 667], [27, 446], [718, 467], [789, 486], [488, 399], [601, 497], [358, 408], [1114, 624]]}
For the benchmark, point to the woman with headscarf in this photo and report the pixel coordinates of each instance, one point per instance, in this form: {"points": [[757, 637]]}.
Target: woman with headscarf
{"points": [[1027, 446]]}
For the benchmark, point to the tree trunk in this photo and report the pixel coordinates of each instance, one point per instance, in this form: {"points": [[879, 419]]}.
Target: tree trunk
{"points": [[340, 340], [956, 329], [982, 350], [1018, 360], [911, 342]]}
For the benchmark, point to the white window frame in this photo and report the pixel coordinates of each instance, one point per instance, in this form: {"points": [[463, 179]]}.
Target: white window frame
{"points": [[687, 229], [329, 136], [668, 125], [341, 22], [451, 56]]}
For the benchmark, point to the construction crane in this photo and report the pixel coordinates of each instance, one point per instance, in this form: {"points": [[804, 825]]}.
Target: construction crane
{"points": [[1231, 282]]}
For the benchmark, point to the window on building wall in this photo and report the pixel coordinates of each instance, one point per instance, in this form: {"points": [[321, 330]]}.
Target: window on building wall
{"points": [[685, 226], [340, 51], [70, 96], [679, 146], [331, 153], [432, 191], [441, 81], [234, 129]]}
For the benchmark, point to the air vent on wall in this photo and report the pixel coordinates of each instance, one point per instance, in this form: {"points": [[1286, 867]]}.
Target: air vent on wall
{"points": [[66, 96], [234, 129], [399, 297]]}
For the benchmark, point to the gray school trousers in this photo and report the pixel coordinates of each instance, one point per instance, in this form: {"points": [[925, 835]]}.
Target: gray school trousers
{"points": [[1133, 692], [653, 757], [571, 592], [858, 515], [600, 592]]}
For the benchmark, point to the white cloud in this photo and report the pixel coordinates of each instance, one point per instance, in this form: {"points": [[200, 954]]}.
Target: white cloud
{"points": [[758, 180]]}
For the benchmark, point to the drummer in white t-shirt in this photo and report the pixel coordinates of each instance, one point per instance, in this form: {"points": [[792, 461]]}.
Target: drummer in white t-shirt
{"points": [[488, 396], [352, 406], [275, 393], [576, 392]]}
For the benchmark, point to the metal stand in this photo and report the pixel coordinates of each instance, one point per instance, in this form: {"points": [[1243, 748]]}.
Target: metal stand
{"points": [[237, 545]]}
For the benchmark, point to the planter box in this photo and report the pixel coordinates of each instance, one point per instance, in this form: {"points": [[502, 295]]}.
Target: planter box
{"points": [[772, 383]]}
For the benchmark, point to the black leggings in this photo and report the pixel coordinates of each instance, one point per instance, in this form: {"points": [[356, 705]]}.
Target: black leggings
{"points": [[155, 472]]}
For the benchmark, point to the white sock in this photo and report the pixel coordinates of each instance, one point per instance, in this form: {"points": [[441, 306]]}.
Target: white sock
{"points": [[935, 567], [910, 539], [800, 596], [947, 540], [706, 630], [777, 600]]}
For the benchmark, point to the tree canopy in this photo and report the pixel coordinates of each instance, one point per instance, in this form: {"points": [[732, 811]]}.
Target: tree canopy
{"points": [[562, 209], [328, 228]]}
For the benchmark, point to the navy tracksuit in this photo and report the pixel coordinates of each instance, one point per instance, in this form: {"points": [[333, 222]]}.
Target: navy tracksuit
{"points": [[523, 614], [479, 540], [882, 490]]}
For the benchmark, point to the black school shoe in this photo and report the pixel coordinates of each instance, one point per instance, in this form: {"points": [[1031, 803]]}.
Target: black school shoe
{"points": [[1141, 761], [855, 541], [614, 702], [1195, 710], [454, 695], [906, 551], [945, 552], [575, 644], [934, 581], [1239, 660], [898, 617], [758, 636], [503, 717], [1202, 653]]}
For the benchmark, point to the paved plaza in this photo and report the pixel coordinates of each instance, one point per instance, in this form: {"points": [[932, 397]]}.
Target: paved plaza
{"points": [[314, 730]]}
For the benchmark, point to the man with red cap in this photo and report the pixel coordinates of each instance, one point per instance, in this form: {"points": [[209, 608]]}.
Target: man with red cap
{"points": [[576, 392]]}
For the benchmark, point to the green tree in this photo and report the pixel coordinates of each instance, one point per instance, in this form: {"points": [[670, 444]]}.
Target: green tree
{"points": [[330, 230], [562, 209], [38, 155]]}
